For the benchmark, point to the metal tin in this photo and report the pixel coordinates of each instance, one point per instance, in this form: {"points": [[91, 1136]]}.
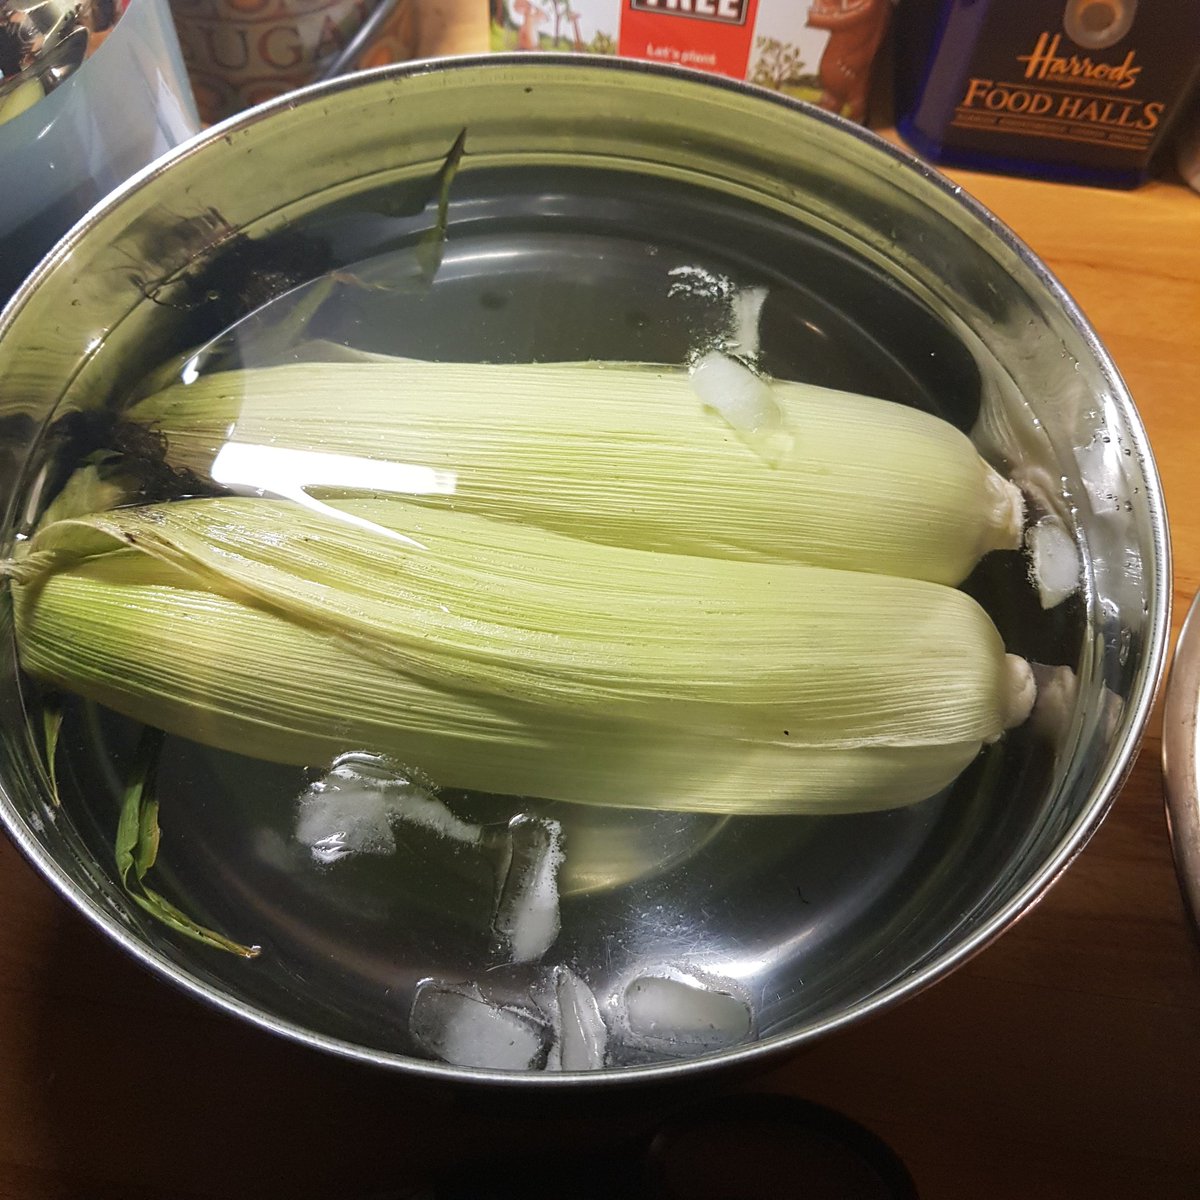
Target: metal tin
{"points": [[1040, 390], [34, 34], [106, 118], [44, 43]]}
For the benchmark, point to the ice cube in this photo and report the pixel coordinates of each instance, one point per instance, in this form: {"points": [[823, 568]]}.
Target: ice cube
{"points": [[1053, 561], [458, 1025], [336, 820], [684, 1013], [580, 1035], [408, 796], [699, 283], [416, 807], [745, 309], [527, 914], [1057, 695], [746, 404], [354, 807]]}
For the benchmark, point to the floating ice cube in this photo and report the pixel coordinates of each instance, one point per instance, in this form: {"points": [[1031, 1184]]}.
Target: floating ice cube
{"points": [[745, 309], [685, 1014], [416, 807], [354, 807], [527, 914], [1057, 695], [699, 283], [337, 820], [580, 1036], [1053, 561], [456, 1024], [745, 402]]}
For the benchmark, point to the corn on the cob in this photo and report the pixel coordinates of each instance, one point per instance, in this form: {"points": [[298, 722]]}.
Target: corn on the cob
{"points": [[628, 456], [504, 658]]}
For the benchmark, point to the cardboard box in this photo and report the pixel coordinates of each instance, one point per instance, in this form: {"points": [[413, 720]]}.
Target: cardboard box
{"points": [[821, 51]]}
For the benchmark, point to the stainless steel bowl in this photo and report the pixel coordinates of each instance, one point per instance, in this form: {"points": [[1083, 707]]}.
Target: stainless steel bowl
{"points": [[603, 178]]}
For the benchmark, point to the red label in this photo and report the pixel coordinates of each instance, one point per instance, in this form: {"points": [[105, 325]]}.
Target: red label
{"points": [[709, 35]]}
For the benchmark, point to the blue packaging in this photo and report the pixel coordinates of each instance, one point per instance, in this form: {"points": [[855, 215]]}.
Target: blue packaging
{"points": [[1081, 91]]}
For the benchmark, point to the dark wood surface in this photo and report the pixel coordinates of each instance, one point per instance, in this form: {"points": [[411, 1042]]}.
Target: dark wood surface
{"points": [[1064, 1061]]}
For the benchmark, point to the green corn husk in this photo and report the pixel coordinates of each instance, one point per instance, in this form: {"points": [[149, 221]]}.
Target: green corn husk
{"points": [[510, 659], [135, 850], [628, 456]]}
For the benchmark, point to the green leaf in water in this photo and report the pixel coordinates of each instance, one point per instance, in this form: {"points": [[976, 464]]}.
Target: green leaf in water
{"points": [[52, 719], [292, 326], [136, 849], [433, 244]]}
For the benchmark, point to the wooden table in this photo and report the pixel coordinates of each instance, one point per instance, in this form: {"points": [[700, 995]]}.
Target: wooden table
{"points": [[1062, 1062]]}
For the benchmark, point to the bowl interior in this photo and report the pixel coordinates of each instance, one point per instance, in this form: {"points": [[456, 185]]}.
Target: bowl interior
{"points": [[601, 211]]}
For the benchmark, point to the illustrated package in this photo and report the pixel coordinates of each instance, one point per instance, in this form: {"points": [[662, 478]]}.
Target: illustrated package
{"points": [[820, 51]]}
